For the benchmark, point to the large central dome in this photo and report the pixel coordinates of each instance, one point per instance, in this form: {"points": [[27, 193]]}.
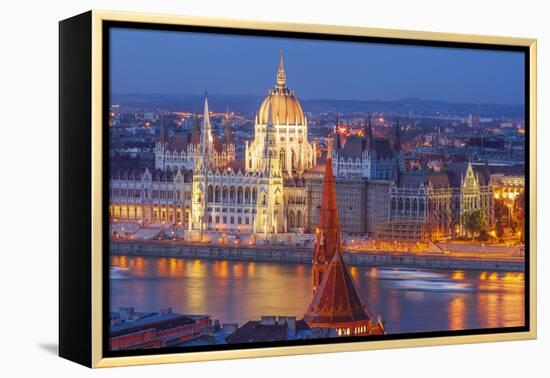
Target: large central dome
{"points": [[285, 107]]}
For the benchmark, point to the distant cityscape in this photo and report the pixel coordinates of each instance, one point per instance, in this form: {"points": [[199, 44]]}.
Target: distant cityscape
{"points": [[331, 183]]}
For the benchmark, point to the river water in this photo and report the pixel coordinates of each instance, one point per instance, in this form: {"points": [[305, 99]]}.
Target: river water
{"points": [[409, 300]]}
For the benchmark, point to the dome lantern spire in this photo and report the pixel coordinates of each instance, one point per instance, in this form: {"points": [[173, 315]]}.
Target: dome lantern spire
{"points": [[281, 75]]}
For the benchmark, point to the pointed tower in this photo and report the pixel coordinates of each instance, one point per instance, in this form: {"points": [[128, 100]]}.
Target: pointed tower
{"points": [[163, 133], [270, 203], [281, 75], [203, 162], [397, 150], [327, 240], [397, 138], [338, 140], [290, 123], [161, 147], [206, 141], [336, 303], [271, 158], [368, 134]]}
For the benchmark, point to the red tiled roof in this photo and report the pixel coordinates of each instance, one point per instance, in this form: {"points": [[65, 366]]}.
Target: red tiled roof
{"points": [[338, 299]]}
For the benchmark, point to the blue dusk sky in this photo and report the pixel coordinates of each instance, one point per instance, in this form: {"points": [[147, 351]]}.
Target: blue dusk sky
{"points": [[165, 62]]}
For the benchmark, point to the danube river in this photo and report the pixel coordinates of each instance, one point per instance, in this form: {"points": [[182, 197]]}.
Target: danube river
{"points": [[409, 300]]}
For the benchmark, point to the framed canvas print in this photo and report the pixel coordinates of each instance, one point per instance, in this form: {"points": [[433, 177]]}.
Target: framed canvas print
{"points": [[235, 189]]}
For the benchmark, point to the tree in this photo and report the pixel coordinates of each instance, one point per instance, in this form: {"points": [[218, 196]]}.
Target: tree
{"points": [[475, 222]]}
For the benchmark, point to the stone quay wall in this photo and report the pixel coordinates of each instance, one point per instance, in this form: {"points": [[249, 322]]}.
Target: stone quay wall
{"points": [[303, 255]]}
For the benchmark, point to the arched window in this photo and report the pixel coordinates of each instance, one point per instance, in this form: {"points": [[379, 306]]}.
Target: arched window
{"points": [[254, 195], [299, 218], [240, 194], [291, 219], [217, 194], [224, 194], [210, 194], [247, 195], [232, 194]]}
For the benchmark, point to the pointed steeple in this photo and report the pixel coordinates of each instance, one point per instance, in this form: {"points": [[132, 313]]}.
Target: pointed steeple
{"points": [[327, 241], [206, 138], [397, 138], [163, 133], [336, 126], [337, 302], [281, 75], [368, 133]]}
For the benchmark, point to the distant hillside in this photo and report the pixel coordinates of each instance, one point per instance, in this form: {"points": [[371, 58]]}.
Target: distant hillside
{"points": [[250, 104]]}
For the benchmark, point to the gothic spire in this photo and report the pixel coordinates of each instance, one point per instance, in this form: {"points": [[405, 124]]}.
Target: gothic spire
{"points": [[206, 138], [338, 141], [281, 75], [368, 133], [267, 155], [397, 140], [336, 302], [163, 137], [328, 233]]}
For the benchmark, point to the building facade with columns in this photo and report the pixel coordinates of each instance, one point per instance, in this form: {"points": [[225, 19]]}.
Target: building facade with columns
{"points": [[268, 196], [282, 112]]}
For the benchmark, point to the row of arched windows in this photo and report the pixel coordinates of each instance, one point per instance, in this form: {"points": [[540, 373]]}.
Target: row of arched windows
{"points": [[408, 205], [155, 213], [231, 194], [295, 219], [168, 194]]}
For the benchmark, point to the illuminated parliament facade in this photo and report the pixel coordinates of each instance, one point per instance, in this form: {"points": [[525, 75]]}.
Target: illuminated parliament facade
{"points": [[198, 186]]}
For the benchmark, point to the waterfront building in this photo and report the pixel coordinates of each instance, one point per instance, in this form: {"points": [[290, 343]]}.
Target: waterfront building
{"points": [[150, 197], [337, 302], [430, 205], [274, 194], [366, 156], [507, 188], [351, 197], [419, 207], [131, 330], [181, 151], [472, 190]]}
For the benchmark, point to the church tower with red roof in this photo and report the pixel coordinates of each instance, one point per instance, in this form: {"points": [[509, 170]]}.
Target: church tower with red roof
{"points": [[337, 302]]}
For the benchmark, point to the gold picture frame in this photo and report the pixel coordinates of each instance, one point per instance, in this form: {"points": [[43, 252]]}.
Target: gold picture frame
{"points": [[93, 25]]}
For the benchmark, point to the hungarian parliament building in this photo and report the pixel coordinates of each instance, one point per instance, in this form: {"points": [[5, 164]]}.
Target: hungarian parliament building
{"points": [[199, 187]]}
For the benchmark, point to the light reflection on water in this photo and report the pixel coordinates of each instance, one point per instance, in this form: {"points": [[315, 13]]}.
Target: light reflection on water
{"points": [[409, 300]]}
